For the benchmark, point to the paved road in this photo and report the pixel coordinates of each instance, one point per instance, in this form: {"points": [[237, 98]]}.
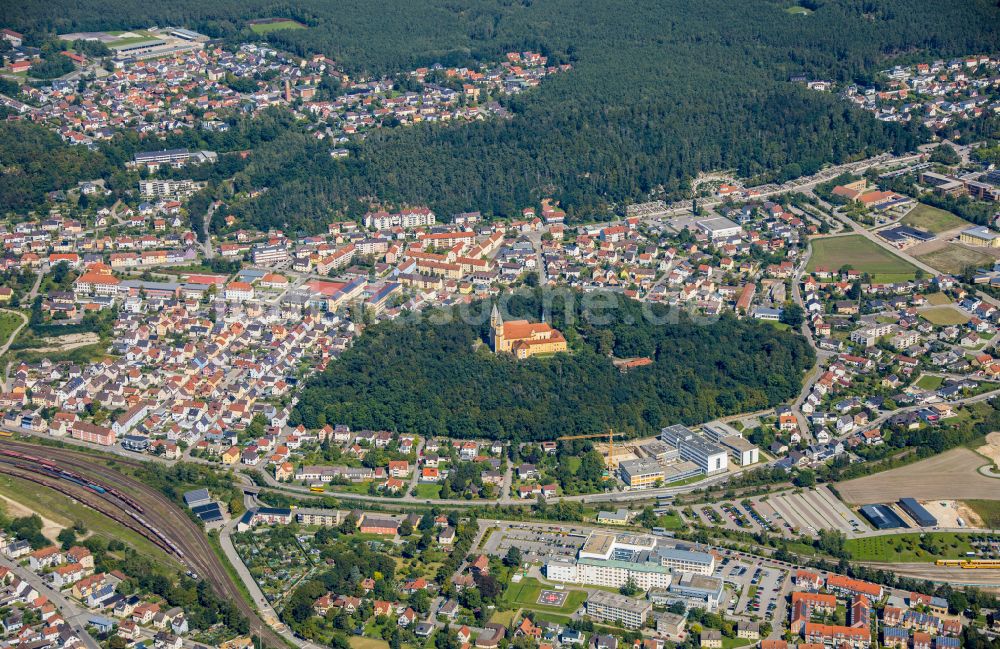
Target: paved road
{"points": [[34, 287], [76, 615]]}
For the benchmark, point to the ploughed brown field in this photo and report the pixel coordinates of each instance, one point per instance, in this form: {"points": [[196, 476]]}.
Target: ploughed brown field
{"points": [[952, 475]]}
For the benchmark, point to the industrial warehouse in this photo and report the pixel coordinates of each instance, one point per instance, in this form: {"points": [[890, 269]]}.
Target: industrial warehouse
{"points": [[887, 517]]}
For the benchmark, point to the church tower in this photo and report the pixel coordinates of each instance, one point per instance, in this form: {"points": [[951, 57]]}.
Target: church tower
{"points": [[496, 330]]}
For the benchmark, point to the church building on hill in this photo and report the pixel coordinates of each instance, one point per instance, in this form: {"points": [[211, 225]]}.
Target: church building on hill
{"points": [[522, 338]]}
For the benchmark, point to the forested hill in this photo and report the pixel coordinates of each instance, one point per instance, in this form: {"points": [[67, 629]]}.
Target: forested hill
{"points": [[660, 90], [427, 378]]}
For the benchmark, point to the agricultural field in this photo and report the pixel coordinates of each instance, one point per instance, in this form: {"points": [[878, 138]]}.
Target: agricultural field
{"points": [[268, 27], [933, 219], [862, 255], [944, 315], [952, 475], [908, 548], [954, 259]]}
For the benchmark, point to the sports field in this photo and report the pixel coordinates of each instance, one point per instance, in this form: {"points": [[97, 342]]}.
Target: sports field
{"points": [[906, 548], [933, 219], [944, 316], [862, 255], [954, 259], [268, 27]]}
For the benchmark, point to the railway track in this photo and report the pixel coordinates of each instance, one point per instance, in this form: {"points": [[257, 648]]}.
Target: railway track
{"points": [[85, 496], [188, 539]]}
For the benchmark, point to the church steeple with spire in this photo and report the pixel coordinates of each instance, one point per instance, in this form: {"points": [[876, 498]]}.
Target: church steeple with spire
{"points": [[496, 330]]}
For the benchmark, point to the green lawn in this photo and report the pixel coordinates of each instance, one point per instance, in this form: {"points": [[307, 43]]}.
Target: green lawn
{"points": [[671, 522], [265, 28], [503, 618], [904, 548], [354, 488], [938, 299], [733, 643], [360, 642], [944, 315], [428, 490], [862, 255], [933, 219], [928, 382], [525, 595]]}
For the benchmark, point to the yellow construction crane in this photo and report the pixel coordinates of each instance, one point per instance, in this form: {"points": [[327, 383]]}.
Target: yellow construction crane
{"points": [[611, 462]]}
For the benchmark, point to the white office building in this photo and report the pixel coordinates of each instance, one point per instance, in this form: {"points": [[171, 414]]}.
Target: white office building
{"points": [[709, 457]]}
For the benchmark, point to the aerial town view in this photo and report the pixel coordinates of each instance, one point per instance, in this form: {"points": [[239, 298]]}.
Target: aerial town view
{"points": [[500, 324]]}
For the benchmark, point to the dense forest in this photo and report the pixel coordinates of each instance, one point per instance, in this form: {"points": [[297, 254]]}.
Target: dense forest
{"points": [[33, 161], [659, 92], [436, 377]]}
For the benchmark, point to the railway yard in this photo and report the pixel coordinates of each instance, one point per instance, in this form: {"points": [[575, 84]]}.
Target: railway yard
{"points": [[78, 476]]}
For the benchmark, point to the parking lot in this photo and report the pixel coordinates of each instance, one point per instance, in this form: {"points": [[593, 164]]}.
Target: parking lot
{"points": [[758, 591], [815, 509], [739, 516], [536, 545], [787, 514]]}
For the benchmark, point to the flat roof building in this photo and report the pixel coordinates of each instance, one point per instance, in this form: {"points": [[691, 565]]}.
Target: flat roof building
{"points": [[709, 457], [718, 227], [612, 607], [740, 450], [611, 560], [641, 473]]}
